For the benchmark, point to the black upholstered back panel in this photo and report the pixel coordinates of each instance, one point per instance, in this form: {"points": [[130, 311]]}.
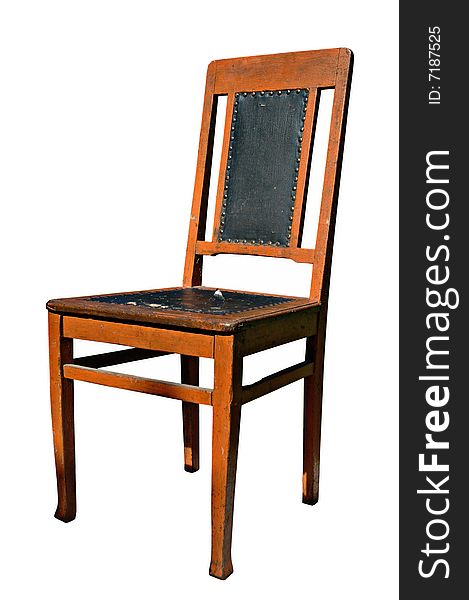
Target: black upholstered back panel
{"points": [[262, 167]]}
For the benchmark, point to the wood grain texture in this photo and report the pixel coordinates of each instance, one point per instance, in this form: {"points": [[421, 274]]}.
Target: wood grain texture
{"points": [[276, 381], [225, 437], [62, 409], [315, 68], [119, 357], [261, 335], [312, 411], [139, 336], [330, 192], [156, 387], [193, 264], [299, 255], [190, 415]]}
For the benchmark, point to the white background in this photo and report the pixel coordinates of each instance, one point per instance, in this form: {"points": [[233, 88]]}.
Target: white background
{"points": [[100, 111]]}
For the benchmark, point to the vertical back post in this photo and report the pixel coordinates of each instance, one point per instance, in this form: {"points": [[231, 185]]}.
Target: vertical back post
{"points": [[193, 264], [327, 215]]}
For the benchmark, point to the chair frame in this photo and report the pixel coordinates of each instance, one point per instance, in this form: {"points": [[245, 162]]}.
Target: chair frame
{"points": [[225, 339]]}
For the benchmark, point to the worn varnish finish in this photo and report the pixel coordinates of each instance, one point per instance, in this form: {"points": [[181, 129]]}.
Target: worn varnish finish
{"points": [[61, 397], [190, 415], [226, 338]]}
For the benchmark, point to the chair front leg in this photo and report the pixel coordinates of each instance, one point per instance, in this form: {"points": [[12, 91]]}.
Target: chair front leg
{"points": [[226, 421], [190, 415], [312, 413], [61, 394]]}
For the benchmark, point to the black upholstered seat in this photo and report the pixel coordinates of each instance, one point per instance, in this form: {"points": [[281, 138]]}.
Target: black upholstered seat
{"points": [[195, 300], [195, 307]]}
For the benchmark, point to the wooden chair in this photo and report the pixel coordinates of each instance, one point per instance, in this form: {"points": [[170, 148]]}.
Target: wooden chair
{"points": [[272, 106]]}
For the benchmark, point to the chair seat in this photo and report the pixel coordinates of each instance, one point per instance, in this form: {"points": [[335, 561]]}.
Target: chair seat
{"points": [[189, 307]]}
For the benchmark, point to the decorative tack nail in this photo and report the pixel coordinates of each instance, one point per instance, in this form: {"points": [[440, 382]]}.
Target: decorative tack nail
{"points": [[294, 187], [300, 139], [237, 95], [253, 93], [229, 239], [245, 94], [289, 228], [262, 93], [227, 177], [303, 118], [298, 91], [271, 93], [302, 128], [288, 91], [279, 92], [291, 217]]}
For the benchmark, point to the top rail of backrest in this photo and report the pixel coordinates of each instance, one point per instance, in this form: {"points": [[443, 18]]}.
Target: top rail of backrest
{"points": [[315, 68]]}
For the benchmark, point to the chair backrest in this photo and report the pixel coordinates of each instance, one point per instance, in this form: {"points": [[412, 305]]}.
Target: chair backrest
{"points": [[272, 108]]}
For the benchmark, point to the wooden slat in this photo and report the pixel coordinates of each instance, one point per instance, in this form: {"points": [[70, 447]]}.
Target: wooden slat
{"points": [[118, 357], [276, 381], [276, 71], [179, 391], [139, 336], [300, 255]]}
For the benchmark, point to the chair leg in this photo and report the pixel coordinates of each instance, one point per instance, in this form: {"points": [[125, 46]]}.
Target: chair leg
{"points": [[61, 394], [190, 415], [226, 421], [312, 413]]}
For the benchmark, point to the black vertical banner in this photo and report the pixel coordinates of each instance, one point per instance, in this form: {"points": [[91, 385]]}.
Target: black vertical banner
{"points": [[434, 267]]}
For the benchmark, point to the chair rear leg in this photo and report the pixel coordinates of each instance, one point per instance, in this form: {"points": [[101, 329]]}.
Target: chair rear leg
{"points": [[312, 413], [62, 408], [226, 421], [190, 415]]}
